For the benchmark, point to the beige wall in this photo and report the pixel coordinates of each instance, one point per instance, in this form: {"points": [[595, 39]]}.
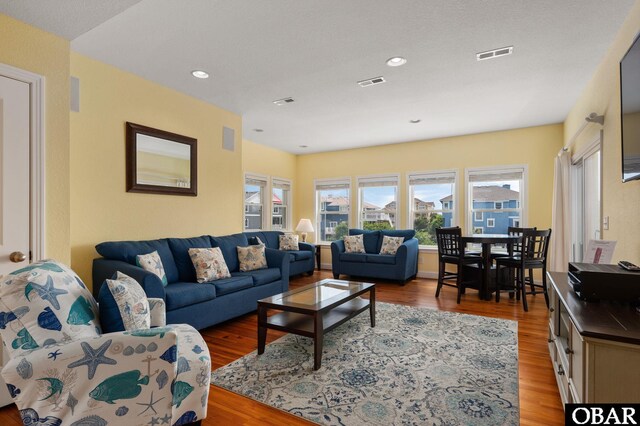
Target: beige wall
{"points": [[101, 209], [620, 201], [28, 48], [534, 146]]}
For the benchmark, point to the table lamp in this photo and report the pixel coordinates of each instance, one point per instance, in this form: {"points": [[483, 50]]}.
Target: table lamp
{"points": [[304, 226]]}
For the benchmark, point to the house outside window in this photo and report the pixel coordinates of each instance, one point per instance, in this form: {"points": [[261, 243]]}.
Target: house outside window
{"points": [[332, 209], [431, 201], [281, 204], [496, 196], [378, 202], [255, 187]]}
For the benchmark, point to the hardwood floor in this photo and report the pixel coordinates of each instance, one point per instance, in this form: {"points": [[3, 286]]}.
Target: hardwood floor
{"points": [[539, 399]]}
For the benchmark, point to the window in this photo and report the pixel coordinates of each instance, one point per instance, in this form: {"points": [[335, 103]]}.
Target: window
{"points": [[515, 222], [281, 204], [332, 209], [377, 202], [431, 198], [498, 193], [478, 230], [254, 196], [477, 216]]}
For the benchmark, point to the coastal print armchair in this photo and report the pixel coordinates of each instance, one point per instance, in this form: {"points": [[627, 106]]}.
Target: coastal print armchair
{"points": [[64, 371]]}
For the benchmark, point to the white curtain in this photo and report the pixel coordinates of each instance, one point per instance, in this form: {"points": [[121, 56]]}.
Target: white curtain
{"points": [[561, 214]]}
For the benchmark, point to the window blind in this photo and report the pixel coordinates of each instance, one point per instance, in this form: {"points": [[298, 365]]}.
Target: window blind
{"points": [[255, 180], [496, 175], [377, 181], [332, 185], [280, 183], [431, 178]]}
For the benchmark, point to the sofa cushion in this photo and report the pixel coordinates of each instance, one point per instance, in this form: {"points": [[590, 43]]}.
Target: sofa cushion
{"points": [[271, 238], [407, 234], [232, 284], [370, 239], [127, 251], [253, 237], [228, 246], [45, 303], [209, 264], [262, 276], [130, 300], [301, 254], [381, 258], [180, 250], [353, 257], [152, 263], [182, 294]]}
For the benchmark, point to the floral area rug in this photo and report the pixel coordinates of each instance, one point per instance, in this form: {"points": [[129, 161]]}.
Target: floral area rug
{"points": [[417, 366]]}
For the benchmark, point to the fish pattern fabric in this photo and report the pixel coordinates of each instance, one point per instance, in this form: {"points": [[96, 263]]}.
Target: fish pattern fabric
{"points": [[158, 312], [140, 377], [152, 263], [131, 300], [43, 304]]}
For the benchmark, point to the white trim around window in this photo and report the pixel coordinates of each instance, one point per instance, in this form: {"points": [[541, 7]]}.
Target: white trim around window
{"points": [[491, 222], [339, 183], [496, 173], [376, 181], [287, 185], [263, 182]]}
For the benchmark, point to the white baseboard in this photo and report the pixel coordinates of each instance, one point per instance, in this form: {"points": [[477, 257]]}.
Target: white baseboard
{"points": [[428, 274]]}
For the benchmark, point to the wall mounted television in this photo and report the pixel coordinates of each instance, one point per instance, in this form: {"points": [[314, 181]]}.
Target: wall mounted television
{"points": [[630, 111]]}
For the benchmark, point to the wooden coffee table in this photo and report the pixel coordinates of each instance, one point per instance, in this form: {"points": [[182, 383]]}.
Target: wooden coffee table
{"points": [[315, 309]]}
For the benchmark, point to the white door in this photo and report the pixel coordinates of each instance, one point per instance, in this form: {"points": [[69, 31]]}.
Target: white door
{"points": [[14, 183]]}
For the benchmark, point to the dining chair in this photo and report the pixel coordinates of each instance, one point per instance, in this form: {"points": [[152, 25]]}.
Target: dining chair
{"points": [[452, 251], [515, 247], [529, 254]]}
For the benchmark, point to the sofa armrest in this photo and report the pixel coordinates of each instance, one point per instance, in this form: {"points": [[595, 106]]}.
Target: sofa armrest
{"points": [[407, 256], [158, 312], [279, 259], [337, 247], [104, 269], [307, 247]]}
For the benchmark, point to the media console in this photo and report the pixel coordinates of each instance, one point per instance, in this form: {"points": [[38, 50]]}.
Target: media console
{"points": [[594, 346]]}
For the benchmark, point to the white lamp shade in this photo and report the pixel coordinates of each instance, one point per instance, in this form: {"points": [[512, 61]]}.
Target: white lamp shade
{"points": [[304, 226]]}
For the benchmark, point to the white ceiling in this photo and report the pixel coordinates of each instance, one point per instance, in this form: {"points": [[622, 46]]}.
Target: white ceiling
{"points": [[315, 51]]}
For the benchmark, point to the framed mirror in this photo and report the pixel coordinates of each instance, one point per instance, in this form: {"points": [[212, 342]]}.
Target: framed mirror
{"points": [[160, 162]]}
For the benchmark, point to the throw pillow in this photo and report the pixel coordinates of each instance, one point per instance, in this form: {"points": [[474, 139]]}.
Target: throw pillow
{"points": [[390, 245], [354, 244], [288, 242], [132, 302], [252, 258], [255, 241], [209, 264], [152, 263]]}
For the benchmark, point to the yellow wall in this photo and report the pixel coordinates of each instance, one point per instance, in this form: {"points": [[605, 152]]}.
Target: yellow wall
{"points": [[28, 48], [534, 146], [101, 209], [620, 201]]}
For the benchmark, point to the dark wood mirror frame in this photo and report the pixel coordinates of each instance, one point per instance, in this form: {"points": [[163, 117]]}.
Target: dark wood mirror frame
{"points": [[133, 130]]}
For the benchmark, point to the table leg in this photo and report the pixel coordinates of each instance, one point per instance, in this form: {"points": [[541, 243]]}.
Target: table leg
{"points": [[372, 306], [318, 337], [318, 256], [486, 273], [262, 329]]}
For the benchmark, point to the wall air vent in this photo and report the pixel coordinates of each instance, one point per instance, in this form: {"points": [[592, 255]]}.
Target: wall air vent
{"points": [[495, 53], [372, 81], [283, 101]]}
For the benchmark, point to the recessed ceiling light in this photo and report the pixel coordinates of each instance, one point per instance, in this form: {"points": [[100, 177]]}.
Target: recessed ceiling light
{"points": [[414, 121], [303, 146], [200, 74], [258, 130], [396, 61]]}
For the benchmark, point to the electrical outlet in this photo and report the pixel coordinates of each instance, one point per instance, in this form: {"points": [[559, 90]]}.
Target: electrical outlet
{"points": [[605, 223]]}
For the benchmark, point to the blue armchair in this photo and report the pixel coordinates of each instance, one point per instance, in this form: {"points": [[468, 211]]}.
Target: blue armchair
{"points": [[403, 266]]}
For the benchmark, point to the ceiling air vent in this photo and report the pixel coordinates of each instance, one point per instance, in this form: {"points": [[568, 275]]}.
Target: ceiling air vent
{"points": [[495, 53], [372, 81], [283, 101]]}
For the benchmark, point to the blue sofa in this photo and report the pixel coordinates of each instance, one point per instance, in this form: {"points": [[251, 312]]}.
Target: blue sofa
{"points": [[401, 267], [301, 261], [198, 304]]}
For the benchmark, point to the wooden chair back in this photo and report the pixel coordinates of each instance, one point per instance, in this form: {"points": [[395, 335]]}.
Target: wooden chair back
{"points": [[448, 240]]}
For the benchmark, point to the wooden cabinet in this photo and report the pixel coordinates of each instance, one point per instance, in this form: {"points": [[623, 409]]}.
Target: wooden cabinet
{"points": [[594, 347]]}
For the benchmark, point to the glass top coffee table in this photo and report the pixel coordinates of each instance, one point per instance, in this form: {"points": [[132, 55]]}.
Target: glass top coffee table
{"points": [[315, 309]]}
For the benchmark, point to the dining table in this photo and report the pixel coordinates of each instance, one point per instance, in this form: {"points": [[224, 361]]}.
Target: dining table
{"points": [[487, 240]]}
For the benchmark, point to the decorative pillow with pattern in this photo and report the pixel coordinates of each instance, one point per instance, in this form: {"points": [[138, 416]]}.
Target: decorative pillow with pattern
{"points": [[132, 302], [45, 303], [209, 264], [151, 262], [252, 258], [390, 245], [354, 244], [288, 242]]}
